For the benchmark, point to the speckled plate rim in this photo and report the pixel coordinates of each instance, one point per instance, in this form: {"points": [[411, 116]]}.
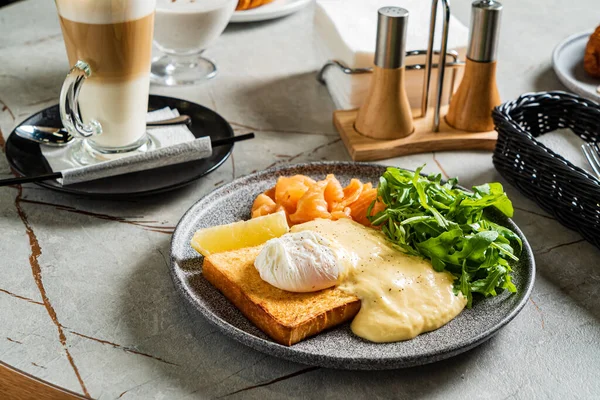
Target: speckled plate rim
{"points": [[297, 355]]}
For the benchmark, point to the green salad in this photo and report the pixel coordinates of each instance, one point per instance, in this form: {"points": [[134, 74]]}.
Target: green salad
{"points": [[448, 225]]}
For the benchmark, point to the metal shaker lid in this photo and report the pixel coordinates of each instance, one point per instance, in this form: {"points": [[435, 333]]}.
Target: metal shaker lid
{"points": [[391, 37], [485, 30]]}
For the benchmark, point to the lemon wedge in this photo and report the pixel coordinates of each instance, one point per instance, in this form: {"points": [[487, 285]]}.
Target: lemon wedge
{"points": [[240, 234]]}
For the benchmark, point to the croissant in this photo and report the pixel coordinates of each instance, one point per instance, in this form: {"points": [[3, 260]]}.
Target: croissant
{"points": [[248, 4], [591, 58]]}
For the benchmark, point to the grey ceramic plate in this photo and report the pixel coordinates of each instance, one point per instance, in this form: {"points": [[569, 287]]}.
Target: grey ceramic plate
{"points": [[338, 347], [567, 61]]}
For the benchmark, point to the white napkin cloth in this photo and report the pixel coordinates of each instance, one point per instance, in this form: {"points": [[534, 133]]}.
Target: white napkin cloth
{"points": [[174, 144], [160, 157], [346, 31], [58, 159], [568, 145]]}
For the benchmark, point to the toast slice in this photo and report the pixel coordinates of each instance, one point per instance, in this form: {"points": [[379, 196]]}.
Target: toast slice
{"points": [[286, 317]]}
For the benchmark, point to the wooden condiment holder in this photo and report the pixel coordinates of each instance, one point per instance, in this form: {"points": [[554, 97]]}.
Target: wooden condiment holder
{"points": [[472, 104], [422, 140], [386, 113], [467, 124]]}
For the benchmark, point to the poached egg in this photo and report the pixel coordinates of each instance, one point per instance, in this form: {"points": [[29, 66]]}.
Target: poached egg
{"points": [[299, 262]]}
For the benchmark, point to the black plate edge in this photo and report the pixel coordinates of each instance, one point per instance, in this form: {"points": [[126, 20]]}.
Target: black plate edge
{"points": [[109, 196]]}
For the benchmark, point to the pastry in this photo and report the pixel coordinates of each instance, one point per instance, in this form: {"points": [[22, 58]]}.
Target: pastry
{"points": [[248, 4], [591, 59]]}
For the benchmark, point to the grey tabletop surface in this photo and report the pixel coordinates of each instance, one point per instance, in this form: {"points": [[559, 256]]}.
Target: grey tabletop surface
{"points": [[86, 301]]}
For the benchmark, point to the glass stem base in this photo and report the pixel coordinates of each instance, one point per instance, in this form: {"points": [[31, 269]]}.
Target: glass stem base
{"points": [[170, 70], [86, 152]]}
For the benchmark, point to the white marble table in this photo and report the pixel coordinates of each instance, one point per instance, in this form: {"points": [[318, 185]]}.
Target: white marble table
{"points": [[86, 301]]}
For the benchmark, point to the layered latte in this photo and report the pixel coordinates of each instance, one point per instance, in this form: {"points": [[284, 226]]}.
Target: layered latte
{"points": [[114, 37]]}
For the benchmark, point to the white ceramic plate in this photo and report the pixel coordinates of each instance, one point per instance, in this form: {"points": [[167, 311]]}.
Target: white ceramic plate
{"points": [[276, 9], [567, 61]]}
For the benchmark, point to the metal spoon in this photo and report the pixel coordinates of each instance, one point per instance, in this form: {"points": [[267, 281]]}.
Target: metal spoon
{"points": [[61, 137]]}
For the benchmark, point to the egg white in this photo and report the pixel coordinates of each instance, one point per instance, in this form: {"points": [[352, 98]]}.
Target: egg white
{"points": [[299, 262]]}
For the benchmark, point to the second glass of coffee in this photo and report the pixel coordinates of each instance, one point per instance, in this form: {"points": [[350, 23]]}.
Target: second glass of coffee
{"points": [[104, 99]]}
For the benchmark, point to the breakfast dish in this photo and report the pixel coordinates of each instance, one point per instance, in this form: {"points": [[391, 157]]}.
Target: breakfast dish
{"points": [[568, 63], [328, 281], [412, 251], [266, 10]]}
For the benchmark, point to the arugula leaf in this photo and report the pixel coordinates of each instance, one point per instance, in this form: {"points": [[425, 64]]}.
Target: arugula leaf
{"points": [[487, 285], [439, 246], [446, 224], [465, 287], [506, 233], [475, 247], [492, 194]]}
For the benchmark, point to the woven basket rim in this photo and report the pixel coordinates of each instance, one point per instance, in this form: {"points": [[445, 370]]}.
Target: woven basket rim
{"points": [[567, 192], [505, 109]]}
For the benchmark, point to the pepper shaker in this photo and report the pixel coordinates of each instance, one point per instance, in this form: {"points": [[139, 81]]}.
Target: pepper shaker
{"points": [[386, 113], [471, 106]]}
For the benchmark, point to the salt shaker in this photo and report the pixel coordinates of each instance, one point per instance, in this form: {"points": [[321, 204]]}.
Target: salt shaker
{"points": [[386, 113], [471, 106]]}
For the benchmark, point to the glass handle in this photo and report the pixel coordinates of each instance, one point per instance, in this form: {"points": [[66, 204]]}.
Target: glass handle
{"points": [[69, 103]]}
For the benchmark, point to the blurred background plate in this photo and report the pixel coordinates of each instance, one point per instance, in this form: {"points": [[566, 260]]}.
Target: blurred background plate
{"points": [[276, 9], [567, 60]]}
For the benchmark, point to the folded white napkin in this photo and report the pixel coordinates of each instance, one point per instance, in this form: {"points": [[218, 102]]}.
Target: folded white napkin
{"points": [[174, 144], [346, 31]]}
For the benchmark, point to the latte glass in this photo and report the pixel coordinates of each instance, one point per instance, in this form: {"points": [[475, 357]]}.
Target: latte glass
{"points": [[182, 31], [104, 99]]}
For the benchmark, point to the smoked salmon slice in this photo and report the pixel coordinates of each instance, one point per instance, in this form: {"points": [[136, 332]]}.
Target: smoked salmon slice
{"points": [[345, 213], [312, 205], [304, 199], [263, 205], [361, 206], [334, 194], [289, 190], [352, 192]]}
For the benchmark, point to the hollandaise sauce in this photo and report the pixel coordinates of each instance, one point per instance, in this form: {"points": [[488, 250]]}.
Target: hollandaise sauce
{"points": [[401, 295]]}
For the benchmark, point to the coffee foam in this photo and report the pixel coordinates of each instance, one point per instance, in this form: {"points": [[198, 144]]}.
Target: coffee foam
{"points": [[104, 11]]}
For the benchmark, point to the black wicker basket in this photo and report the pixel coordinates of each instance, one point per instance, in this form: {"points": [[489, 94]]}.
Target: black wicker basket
{"points": [[562, 189]]}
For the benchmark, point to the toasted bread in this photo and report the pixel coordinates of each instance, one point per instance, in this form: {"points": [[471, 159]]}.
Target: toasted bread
{"points": [[285, 316]]}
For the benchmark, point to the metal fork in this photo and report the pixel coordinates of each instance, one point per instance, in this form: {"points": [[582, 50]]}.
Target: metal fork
{"points": [[592, 153]]}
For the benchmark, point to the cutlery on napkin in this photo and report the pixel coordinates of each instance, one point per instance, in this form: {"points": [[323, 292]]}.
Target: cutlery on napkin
{"points": [[568, 145], [174, 145], [179, 153]]}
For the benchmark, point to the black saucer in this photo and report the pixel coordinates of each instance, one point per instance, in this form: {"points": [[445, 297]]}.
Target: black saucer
{"points": [[25, 157]]}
